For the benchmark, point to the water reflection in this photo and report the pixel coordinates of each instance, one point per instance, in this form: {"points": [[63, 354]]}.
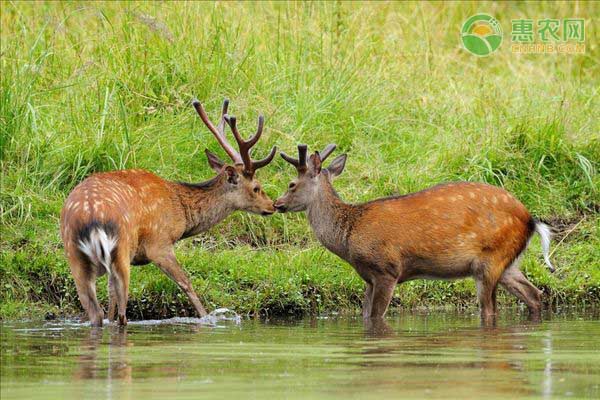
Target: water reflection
{"points": [[116, 366], [378, 328], [466, 355], [412, 355]]}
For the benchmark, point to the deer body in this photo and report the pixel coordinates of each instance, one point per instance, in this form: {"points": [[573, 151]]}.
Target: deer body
{"points": [[116, 219], [449, 231], [147, 210]]}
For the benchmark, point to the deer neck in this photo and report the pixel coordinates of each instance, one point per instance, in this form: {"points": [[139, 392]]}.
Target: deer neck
{"points": [[331, 218], [204, 205]]}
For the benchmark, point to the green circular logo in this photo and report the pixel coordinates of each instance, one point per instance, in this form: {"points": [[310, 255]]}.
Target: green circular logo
{"points": [[481, 34]]}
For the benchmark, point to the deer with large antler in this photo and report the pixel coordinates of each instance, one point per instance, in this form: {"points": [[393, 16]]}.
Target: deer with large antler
{"points": [[449, 231], [113, 220]]}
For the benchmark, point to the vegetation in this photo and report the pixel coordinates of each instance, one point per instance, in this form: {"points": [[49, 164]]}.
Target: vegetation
{"points": [[88, 87]]}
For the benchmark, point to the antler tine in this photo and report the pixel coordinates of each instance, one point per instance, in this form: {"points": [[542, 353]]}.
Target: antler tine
{"points": [[221, 125], [245, 146], [245, 157], [327, 151], [261, 163], [289, 159], [300, 162], [219, 131], [302, 150], [259, 130], [232, 122]]}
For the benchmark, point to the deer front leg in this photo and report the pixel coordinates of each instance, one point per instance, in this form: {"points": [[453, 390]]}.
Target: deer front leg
{"points": [[169, 265], [368, 300], [120, 281], [383, 290]]}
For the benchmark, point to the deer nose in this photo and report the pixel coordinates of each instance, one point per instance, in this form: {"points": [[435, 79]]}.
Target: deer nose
{"points": [[280, 206]]}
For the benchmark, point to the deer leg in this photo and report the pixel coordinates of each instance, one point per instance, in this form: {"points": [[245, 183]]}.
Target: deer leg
{"points": [[515, 282], [486, 280], [485, 293], [169, 265], [85, 282], [112, 298], [366, 306], [119, 279], [494, 300], [383, 291]]}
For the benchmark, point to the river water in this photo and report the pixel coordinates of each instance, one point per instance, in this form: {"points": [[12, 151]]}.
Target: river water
{"points": [[415, 355]]}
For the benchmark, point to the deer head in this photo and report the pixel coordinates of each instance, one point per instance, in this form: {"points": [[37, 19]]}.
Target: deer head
{"points": [[303, 190], [239, 180]]}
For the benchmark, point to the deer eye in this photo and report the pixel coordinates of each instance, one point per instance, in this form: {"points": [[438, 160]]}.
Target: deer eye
{"points": [[292, 185], [256, 189]]}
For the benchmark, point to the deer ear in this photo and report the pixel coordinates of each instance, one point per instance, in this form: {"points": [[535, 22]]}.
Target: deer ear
{"points": [[214, 161], [337, 165], [232, 175], [314, 163]]}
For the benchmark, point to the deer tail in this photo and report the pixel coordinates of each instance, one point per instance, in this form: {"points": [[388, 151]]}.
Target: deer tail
{"points": [[98, 241], [545, 233]]}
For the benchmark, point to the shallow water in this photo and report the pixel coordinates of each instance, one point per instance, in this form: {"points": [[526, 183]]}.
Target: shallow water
{"points": [[432, 355]]}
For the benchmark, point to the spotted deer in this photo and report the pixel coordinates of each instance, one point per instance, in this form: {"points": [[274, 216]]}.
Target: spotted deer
{"points": [[115, 219], [449, 231]]}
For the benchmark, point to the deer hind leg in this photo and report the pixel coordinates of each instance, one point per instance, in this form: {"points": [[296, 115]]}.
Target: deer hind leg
{"points": [[119, 281], [169, 265], [515, 282], [85, 275], [112, 298]]}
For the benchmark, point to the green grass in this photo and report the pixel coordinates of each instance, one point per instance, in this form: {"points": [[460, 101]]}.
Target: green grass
{"points": [[89, 87]]}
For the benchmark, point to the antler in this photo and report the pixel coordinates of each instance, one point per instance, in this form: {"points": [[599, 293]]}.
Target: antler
{"points": [[327, 151], [245, 146], [219, 131], [300, 162], [243, 156]]}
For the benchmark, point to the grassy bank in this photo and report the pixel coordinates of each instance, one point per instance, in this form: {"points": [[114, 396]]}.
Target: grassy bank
{"points": [[89, 87], [285, 281]]}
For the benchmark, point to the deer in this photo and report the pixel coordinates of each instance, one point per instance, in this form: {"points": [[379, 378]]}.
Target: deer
{"points": [[114, 220], [448, 231]]}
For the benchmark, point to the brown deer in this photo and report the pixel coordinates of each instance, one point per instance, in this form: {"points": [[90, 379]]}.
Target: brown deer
{"points": [[113, 220], [449, 231]]}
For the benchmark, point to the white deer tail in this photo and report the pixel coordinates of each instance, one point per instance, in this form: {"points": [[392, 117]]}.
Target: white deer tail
{"points": [[545, 234], [97, 241]]}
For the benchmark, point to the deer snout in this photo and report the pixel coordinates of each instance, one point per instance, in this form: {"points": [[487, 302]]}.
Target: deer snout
{"points": [[280, 205], [269, 210]]}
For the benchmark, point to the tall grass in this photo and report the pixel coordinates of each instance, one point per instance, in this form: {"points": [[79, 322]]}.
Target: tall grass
{"points": [[89, 87]]}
